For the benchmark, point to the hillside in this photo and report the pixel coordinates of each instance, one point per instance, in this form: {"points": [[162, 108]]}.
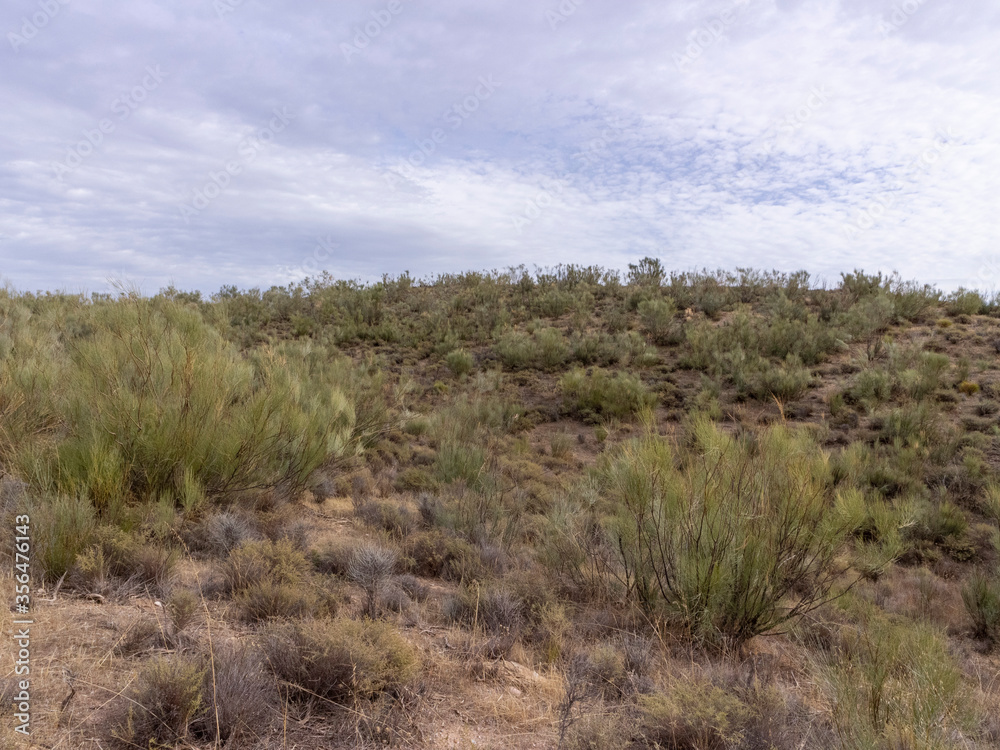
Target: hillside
{"points": [[565, 508]]}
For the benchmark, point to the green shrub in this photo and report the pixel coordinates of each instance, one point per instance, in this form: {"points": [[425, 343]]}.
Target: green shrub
{"points": [[871, 387], [162, 705], [456, 460], [338, 661], [911, 425], [694, 713], [895, 685], [595, 394], [516, 350], [63, 528], [547, 349], [657, 316], [762, 380], [268, 599], [964, 302], [152, 402], [460, 362], [733, 536], [256, 562], [981, 596]]}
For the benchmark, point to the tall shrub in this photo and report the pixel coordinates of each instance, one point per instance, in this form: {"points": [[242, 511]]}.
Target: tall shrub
{"points": [[731, 536]]}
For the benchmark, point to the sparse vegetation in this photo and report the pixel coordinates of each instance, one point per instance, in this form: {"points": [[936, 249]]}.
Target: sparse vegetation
{"points": [[571, 502]]}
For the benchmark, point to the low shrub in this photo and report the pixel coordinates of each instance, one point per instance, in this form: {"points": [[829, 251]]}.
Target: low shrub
{"points": [[694, 713], [256, 562], [968, 388], [396, 520], [657, 316], [894, 683], [371, 567], [338, 661], [437, 554], [63, 527], [981, 596], [268, 599], [162, 705], [121, 560], [596, 394], [460, 362], [240, 699]]}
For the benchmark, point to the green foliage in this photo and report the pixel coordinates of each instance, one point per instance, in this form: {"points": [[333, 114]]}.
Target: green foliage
{"points": [[657, 317], [732, 537], [460, 362], [647, 272], [964, 302], [547, 349], [895, 685], [63, 528], [594, 394], [981, 596], [763, 380], [152, 402]]}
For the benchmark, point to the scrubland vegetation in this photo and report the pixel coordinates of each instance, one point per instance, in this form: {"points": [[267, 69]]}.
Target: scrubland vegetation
{"points": [[560, 509]]}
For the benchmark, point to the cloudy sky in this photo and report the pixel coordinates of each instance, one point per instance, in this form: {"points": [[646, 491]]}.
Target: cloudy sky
{"points": [[211, 142]]}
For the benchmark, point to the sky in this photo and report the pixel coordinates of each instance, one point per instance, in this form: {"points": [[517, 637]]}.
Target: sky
{"points": [[204, 143]]}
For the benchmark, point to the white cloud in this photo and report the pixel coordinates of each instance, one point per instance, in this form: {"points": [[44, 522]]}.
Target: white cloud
{"points": [[788, 140]]}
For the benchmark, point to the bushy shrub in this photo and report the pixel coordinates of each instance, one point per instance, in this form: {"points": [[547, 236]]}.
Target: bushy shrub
{"points": [[239, 698], [152, 402], [162, 705], [394, 519], [981, 596], [460, 362], [437, 554], [63, 528], [964, 302], [255, 562], [595, 393], [733, 536], [657, 316], [547, 349], [762, 380], [694, 713], [122, 560], [338, 661], [895, 684]]}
